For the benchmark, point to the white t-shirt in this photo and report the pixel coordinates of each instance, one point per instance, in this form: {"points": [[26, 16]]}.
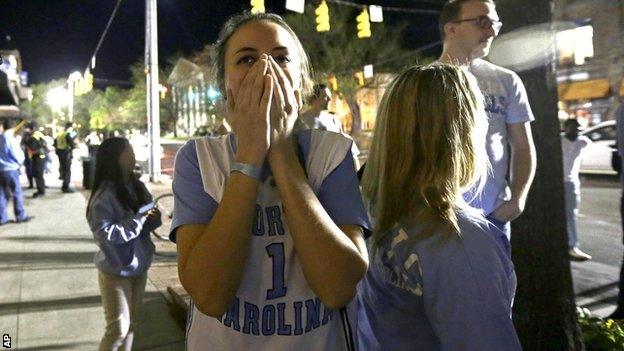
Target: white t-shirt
{"points": [[572, 152], [506, 103]]}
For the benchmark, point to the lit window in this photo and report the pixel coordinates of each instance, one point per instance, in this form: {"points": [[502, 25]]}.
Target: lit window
{"points": [[575, 45]]}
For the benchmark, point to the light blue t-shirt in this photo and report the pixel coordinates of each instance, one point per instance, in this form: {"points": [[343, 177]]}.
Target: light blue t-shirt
{"points": [[506, 102], [274, 307], [11, 154], [439, 293]]}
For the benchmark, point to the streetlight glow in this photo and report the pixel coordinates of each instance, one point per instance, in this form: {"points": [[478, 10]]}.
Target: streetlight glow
{"points": [[58, 98], [75, 76]]}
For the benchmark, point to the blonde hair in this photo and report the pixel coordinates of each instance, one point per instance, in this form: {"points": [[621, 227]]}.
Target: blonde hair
{"points": [[428, 147]]}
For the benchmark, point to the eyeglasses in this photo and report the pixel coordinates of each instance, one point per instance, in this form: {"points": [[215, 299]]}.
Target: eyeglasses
{"points": [[484, 22]]}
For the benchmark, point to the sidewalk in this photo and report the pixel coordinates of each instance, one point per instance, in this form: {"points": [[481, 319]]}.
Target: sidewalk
{"points": [[49, 295]]}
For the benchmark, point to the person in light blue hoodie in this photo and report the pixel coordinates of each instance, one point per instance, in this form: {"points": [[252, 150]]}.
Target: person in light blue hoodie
{"points": [[121, 219], [440, 275], [11, 159]]}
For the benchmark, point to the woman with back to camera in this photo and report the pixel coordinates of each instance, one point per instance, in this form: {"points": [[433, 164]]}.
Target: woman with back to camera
{"points": [[121, 218], [440, 275], [269, 225]]}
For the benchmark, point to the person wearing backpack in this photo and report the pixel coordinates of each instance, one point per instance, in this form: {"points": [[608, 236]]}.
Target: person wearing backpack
{"points": [[64, 144], [37, 149]]}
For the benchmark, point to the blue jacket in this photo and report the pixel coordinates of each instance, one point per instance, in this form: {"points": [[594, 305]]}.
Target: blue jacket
{"points": [[11, 154], [123, 236]]}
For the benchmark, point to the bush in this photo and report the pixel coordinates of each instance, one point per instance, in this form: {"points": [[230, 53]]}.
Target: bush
{"points": [[599, 334]]}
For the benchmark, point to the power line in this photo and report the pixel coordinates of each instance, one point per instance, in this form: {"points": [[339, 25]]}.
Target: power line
{"points": [[99, 44], [385, 8], [399, 57], [412, 52]]}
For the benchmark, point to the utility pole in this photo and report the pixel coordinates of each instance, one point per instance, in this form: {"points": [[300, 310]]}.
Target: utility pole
{"points": [[544, 308], [153, 104], [74, 77]]}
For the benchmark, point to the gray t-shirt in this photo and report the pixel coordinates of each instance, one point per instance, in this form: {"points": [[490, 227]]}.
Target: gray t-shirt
{"points": [[506, 103]]}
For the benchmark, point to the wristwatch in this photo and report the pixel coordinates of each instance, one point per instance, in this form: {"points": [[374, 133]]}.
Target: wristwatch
{"points": [[246, 169]]}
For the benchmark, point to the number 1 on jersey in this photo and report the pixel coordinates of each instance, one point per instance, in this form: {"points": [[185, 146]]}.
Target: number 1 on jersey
{"points": [[276, 252]]}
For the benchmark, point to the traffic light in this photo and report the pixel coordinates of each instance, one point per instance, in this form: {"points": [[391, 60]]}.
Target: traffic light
{"points": [[79, 86], [257, 6], [332, 82], [363, 24], [359, 76], [163, 91], [322, 17], [76, 87], [88, 81]]}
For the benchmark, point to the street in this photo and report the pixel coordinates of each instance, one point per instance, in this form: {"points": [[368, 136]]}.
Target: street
{"points": [[600, 235]]}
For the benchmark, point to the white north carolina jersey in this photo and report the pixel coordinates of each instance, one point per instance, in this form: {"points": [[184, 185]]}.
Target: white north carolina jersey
{"points": [[274, 307]]}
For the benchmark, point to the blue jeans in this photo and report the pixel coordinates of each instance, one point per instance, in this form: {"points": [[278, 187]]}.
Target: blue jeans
{"points": [[572, 201], [9, 181]]}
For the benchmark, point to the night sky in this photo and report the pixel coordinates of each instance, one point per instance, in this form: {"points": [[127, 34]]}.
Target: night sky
{"points": [[57, 37]]}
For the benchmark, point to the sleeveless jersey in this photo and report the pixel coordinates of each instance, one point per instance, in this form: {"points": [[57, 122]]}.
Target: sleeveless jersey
{"points": [[274, 307]]}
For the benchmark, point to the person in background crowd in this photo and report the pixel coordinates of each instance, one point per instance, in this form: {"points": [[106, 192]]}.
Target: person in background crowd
{"points": [[440, 275], [121, 219], [47, 136], [64, 144], [468, 28], [27, 160], [316, 116], [269, 225], [619, 124], [572, 145], [93, 141], [37, 148], [11, 159]]}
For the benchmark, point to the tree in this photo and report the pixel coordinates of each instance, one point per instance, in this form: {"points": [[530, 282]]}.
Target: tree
{"points": [[341, 53], [134, 107], [106, 110], [82, 107], [38, 109], [544, 308]]}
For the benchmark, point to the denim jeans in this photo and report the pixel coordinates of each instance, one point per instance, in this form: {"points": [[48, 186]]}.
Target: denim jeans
{"points": [[572, 200], [10, 183]]}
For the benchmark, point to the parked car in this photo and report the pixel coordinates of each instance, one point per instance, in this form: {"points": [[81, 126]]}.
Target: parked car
{"points": [[597, 155]]}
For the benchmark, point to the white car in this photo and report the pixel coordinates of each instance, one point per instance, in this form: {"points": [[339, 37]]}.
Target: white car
{"points": [[597, 155]]}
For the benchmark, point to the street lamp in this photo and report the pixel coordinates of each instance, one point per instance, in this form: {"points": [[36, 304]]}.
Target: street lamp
{"points": [[71, 86], [58, 99]]}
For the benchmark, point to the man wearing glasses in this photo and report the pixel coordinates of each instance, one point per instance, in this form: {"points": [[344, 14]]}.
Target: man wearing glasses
{"points": [[468, 28]]}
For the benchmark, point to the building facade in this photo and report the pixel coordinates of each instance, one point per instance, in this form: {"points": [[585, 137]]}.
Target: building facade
{"points": [[590, 60]]}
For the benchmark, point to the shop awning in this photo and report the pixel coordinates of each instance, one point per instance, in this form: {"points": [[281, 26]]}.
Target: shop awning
{"points": [[589, 89]]}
